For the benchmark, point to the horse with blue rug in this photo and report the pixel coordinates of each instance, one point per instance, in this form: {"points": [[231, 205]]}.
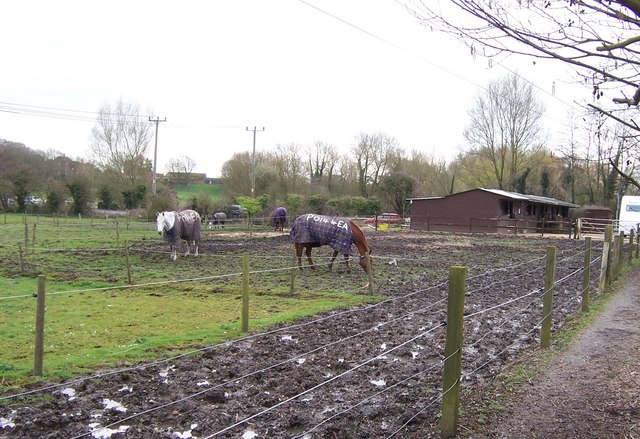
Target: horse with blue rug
{"points": [[176, 227], [310, 230], [279, 218]]}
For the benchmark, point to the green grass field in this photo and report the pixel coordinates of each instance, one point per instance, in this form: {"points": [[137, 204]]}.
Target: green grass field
{"points": [[185, 191], [94, 318]]}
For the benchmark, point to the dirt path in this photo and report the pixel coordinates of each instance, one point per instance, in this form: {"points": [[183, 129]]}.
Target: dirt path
{"points": [[590, 391]]}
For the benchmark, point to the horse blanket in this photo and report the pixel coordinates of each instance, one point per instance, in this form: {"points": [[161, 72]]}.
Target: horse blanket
{"points": [[186, 226], [279, 216], [219, 218], [323, 230]]}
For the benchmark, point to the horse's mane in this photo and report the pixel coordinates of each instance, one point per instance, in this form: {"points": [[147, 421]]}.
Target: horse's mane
{"points": [[359, 239]]}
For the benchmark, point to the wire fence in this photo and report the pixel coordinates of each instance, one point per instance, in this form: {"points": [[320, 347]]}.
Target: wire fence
{"points": [[342, 370]]}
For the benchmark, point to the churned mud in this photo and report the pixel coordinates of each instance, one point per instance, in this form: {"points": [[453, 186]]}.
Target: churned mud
{"points": [[370, 372]]}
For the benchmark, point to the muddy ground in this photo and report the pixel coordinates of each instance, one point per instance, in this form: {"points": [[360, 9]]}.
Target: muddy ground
{"points": [[370, 372]]}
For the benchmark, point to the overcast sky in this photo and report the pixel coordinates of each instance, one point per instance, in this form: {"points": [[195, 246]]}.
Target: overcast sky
{"points": [[304, 70]]}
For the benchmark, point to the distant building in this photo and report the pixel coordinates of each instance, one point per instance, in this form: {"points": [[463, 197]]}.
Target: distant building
{"points": [[184, 177], [491, 211]]}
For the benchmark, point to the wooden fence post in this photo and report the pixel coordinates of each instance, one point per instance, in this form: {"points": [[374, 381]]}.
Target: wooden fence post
{"points": [[33, 239], [126, 254], [117, 235], [586, 274], [294, 269], [605, 272], [547, 306], [39, 342], [21, 258], [245, 292], [26, 239], [620, 253], [369, 273], [631, 239], [453, 352], [614, 258]]}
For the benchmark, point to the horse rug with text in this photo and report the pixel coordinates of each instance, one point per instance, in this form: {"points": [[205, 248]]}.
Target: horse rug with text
{"points": [[323, 230]]}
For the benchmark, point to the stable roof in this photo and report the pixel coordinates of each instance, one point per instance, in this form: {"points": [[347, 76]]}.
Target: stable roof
{"points": [[512, 195]]}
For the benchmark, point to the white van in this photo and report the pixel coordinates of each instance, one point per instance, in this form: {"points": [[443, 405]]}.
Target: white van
{"points": [[629, 213]]}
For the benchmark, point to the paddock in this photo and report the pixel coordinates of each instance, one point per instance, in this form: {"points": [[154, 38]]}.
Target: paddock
{"points": [[312, 335]]}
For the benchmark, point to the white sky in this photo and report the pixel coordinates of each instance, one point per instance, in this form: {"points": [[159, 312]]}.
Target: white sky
{"points": [[213, 68]]}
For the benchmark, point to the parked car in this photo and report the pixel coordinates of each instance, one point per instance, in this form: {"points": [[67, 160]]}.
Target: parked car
{"points": [[33, 200], [235, 211], [385, 218]]}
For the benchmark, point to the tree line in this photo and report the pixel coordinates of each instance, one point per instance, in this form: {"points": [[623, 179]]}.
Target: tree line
{"points": [[505, 148]]}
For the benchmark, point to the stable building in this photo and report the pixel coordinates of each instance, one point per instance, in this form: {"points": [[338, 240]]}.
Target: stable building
{"points": [[491, 211]]}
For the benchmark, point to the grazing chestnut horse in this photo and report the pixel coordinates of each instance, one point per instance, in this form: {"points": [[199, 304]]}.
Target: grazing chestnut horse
{"points": [[279, 219], [310, 230], [177, 226]]}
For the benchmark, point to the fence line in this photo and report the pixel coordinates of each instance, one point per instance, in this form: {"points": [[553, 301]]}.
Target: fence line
{"points": [[392, 299], [371, 359], [279, 364]]}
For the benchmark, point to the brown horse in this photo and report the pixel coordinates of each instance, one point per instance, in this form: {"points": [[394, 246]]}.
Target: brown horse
{"points": [[310, 230]]}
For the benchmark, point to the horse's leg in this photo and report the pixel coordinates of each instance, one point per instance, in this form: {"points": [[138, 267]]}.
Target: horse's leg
{"points": [[196, 245], [173, 253], [347, 258], [308, 253], [333, 258], [188, 251], [299, 254]]}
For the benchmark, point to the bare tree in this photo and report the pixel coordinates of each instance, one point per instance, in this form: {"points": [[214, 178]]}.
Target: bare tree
{"points": [[375, 155], [321, 160], [289, 165], [598, 39], [504, 130], [184, 165], [120, 142]]}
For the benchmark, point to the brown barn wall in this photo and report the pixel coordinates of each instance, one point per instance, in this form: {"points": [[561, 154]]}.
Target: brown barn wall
{"points": [[473, 211], [462, 212]]}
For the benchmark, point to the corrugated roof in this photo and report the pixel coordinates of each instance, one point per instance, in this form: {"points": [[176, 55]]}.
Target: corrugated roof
{"points": [[532, 198]]}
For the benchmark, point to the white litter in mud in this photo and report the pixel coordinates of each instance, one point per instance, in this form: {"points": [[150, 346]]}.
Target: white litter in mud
{"points": [[126, 389], [202, 383], [69, 392], [249, 434], [300, 360], [383, 346], [287, 338], [4, 422], [414, 355], [164, 373], [185, 434], [99, 432], [378, 383], [111, 404]]}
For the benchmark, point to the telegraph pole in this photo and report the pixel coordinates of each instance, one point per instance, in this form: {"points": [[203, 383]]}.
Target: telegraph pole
{"points": [[155, 154], [253, 162]]}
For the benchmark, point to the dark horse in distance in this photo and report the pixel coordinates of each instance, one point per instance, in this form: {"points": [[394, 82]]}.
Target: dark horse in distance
{"points": [[279, 218]]}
